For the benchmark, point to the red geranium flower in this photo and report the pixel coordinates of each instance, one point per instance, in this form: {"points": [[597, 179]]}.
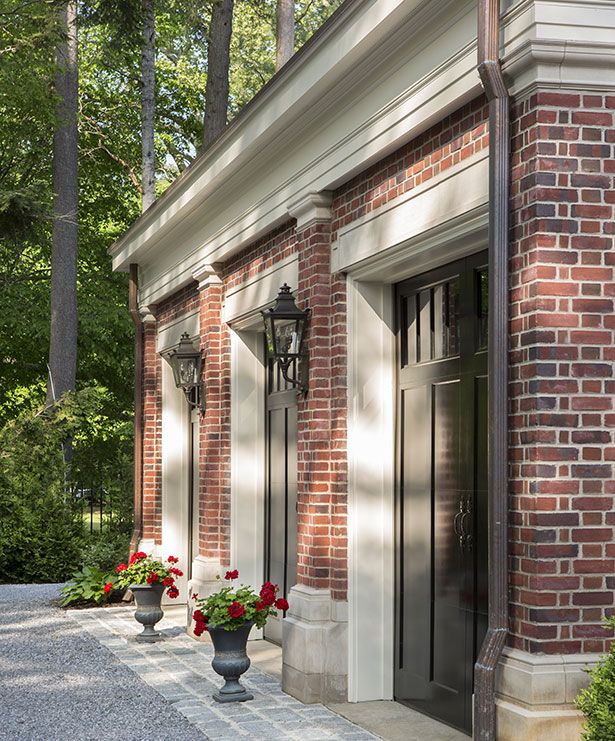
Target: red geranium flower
{"points": [[168, 581], [108, 587], [199, 629], [173, 592], [177, 572], [152, 578], [230, 575], [267, 593], [258, 606], [281, 604], [137, 556], [121, 567], [235, 610], [172, 559]]}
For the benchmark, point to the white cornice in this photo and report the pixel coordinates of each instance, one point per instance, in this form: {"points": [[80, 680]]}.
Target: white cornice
{"points": [[378, 109], [207, 275], [286, 110], [310, 209], [147, 314], [357, 31]]}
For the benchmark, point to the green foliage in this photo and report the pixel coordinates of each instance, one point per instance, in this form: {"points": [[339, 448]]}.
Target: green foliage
{"points": [[40, 535], [41, 531], [144, 569], [105, 550], [232, 607], [597, 702], [88, 585]]}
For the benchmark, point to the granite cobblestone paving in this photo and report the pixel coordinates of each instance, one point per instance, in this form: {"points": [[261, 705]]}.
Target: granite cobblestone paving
{"points": [[179, 668]]}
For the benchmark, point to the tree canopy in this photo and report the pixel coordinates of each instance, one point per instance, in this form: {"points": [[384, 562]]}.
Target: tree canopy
{"points": [[109, 160]]}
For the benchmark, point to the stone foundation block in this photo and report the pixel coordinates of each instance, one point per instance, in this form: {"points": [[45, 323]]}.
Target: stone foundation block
{"points": [[536, 694], [315, 647]]}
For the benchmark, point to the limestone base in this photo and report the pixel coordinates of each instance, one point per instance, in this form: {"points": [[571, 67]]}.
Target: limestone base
{"points": [[536, 694], [315, 647]]}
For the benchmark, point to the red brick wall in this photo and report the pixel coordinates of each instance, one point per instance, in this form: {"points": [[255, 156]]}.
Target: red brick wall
{"points": [[322, 444], [562, 352], [444, 145], [261, 255], [215, 430], [180, 303]]}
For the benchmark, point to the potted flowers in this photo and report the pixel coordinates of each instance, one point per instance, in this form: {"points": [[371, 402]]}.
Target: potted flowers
{"points": [[229, 615], [147, 578]]}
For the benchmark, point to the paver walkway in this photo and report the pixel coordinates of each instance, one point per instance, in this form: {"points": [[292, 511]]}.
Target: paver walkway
{"points": [[179, 668]]}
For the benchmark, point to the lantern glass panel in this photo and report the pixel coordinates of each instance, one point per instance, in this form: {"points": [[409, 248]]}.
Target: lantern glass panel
{"points": [[269, 334], [186, 372], [288, 334]]}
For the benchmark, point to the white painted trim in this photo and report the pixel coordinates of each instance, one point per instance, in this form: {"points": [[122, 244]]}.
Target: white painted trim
{"points": [[244, 303], [175, 452], [171, 333], [371, 442], [382, 73], [206, 275], [248, 456], [175, 474]]}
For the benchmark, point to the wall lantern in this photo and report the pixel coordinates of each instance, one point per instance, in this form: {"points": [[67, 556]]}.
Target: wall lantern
{"points": [[187, 364], [285, 326]]}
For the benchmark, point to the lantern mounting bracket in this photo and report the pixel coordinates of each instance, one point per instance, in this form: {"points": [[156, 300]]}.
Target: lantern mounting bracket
{"points": [[302, 367]]}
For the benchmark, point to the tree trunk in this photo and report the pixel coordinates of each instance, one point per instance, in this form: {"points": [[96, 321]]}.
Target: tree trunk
{"points": [[148, 83], [63, 334], [284, 32], [218, 61]]}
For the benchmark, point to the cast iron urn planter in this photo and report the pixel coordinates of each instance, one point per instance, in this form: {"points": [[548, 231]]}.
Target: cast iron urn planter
{"points": [[231, 661], [148, 612]]}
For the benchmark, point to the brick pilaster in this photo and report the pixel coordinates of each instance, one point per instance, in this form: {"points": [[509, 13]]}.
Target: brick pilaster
{"points": [[322, 458], [215, 427], [562, 339]]}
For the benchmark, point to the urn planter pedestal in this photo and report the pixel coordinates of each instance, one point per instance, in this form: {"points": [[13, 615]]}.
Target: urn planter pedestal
{"points": [[231, 661], [149, 611]]}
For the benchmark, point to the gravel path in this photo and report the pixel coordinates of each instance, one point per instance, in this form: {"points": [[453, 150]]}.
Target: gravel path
{"points": [[58, 683]]}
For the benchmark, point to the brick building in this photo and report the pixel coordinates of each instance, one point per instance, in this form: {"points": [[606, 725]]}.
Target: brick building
{"points": [[360, 177]]}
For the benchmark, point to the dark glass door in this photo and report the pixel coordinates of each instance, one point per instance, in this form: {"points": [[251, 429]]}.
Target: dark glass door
{"points": [[442, 488], [281, 494]]}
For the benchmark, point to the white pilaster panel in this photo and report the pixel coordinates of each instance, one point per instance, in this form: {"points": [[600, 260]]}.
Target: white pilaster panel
{"points": [[371, 435], [175, 475], [247, 456]]}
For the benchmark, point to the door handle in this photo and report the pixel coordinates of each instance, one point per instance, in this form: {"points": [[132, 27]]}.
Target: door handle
{"points": [[460, 524]]}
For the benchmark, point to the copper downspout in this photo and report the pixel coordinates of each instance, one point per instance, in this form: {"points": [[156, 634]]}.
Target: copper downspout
{"points": [[133, 306], [492, 78]]}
